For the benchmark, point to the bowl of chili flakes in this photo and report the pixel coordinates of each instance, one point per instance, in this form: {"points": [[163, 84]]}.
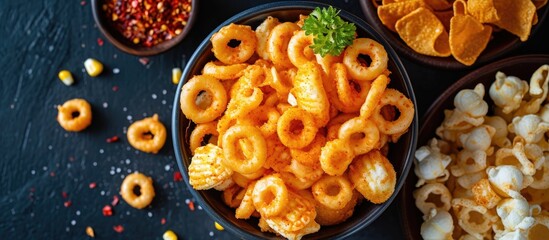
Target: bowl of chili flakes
{"points": [[144, 27]]}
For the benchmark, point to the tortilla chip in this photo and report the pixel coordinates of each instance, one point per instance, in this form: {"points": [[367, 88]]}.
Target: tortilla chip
{"points": [[539, 3], [389, 14], [483, 10], [444, 17], [438, 5], [516, 16], [468, 37], [424, 33]]}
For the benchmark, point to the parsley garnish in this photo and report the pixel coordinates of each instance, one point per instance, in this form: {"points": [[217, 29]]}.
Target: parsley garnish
{"points": [[331, 33]]}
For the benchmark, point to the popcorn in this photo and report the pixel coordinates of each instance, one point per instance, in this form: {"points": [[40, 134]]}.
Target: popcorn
{"points": [[439, 192], [515, 213], [439, 225], [507, 180], [500, 136], [430, 163], [530, 127], [507, 92], [470, 101], [479, 139]]}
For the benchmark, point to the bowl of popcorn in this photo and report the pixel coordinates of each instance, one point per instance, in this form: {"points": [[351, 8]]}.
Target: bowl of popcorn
{"points": [[455, 34], [287, 127], [481, 170]]}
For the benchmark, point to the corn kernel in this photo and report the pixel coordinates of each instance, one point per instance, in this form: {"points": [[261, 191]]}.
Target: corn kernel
{"points": [[90, 232], [66, 77], [219, 227], [176, 75], [169, 235], [93, 67]]}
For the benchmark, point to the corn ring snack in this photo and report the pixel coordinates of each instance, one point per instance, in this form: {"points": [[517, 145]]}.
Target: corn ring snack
{"points": [[244, 102], [147, 135], [201, 133], [263, 117], [234, 55], [361, 134], [310, 154], [74, 115], [336, 156], [262, 33], [346, 95], [333, 192], [327, 217], [246, 207], [296, 219], [373, 176], [220, 71], [374, 96], [277, 44], [305, 173], [299, 51], [296, 128], [270, 196], [145, 186], [404, 106], [236, 160], [374, 50], [233, 196], [212, 88]]}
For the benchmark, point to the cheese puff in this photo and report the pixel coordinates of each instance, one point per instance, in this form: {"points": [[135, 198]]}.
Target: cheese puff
{"points": [[432, 196], [507, 180], [464, 165], [515, 213], [430, 163], [500, 125], [439, 225], [530, 127], [507, 92]]}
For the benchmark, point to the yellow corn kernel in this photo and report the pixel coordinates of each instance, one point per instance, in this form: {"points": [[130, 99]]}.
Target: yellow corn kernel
{"points": [[93, 67], [176, 75], [66, 77], [90, 232], [219, 227], [169, 235]]}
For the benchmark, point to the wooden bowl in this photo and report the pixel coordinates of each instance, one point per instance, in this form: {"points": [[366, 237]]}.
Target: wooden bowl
{"points": [[502, 42], [400, 155], [520, 66], [115, 37]]}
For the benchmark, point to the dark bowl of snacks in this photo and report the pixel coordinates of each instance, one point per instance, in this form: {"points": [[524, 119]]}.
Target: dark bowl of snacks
{"points": [[270, 146], [144, 28], [480, 160], [455, 34]]}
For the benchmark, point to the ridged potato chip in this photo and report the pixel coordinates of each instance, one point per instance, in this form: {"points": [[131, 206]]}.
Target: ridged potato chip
{"points": [[424, 33]]}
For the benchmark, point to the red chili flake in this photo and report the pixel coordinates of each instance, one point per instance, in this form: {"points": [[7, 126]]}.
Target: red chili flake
{"points": [[93, 185], [163, 221], [118, 228], [191, 205], [107, 211], [64, 194], [83, 3], [144, 60], [177, 177], [112, 139], [115, 200], [67, 204], [114, 88], [100, 42], [52, 174]]}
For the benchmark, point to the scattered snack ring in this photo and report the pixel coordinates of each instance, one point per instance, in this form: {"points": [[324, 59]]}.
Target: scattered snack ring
{"points": [[137, 190], [74, 115], [147, 135]]}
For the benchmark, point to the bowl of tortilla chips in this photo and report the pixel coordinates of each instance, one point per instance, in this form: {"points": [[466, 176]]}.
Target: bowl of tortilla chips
{"points": [[455, 34]]}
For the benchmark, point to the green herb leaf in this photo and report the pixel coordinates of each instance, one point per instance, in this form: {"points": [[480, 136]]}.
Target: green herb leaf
{"points": [[331, 33]]}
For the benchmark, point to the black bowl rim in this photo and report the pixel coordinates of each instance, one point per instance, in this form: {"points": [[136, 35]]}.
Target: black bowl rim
{"points": [[138, 50], [429, 114], [278, 6], [444, 62]]}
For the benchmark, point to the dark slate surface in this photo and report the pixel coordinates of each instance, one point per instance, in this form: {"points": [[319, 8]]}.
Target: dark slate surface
{"points": [[42, 166]]}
